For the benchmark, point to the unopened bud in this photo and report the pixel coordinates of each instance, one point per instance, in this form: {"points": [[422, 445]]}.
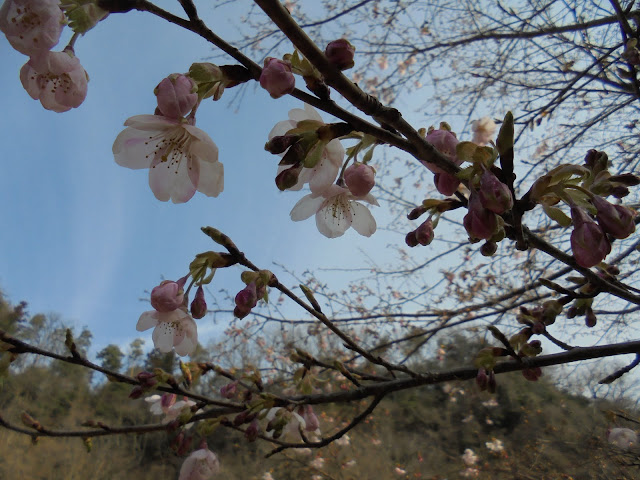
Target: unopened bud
{"points": [[360, 179], [492, 384], [616, 220], [532, 374], [411, 239], [280, 143], [416, 213], [424, 233], [341, 53], [590, 318], [252, 431], [199, 304], [488, 249], [276, 77], [229, 390], [288, 178], [136, 392], [493, 194], [482, 379], [167, 296], [177, 95]]}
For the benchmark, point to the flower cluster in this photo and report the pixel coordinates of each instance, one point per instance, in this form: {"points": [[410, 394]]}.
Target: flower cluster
{"points": [[173, 326], [181, 158], [34, 27], [311, 154]]}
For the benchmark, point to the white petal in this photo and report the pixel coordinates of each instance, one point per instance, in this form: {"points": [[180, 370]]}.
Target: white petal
{"points": [[201, 144], [147, 320], [132, 148], [281, 128], [306, 206], [168, 182], [335, 217], [323, 175], [187, 341], [335, 151], [312, 113], [211, 181], [369, 199], [163, 336], [362, 220], [150, 122]]}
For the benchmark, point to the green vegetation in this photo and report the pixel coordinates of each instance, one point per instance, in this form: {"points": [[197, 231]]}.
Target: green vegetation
{"points": [[545, 433]]}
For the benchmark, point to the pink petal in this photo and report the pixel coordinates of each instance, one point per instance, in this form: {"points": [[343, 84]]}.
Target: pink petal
{"points": [[147, 320], [133, 149], [335, 217], [156, 123]]}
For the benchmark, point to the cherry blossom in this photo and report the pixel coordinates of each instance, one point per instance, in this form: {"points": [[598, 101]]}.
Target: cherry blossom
{"points": [[483, 130], [174, 329], [623, 438], [336, 210], [340, 52], [200, 465], [32, 26], [469, 458], [56, 79], [180, 157], [360, 179], [326, 170]]}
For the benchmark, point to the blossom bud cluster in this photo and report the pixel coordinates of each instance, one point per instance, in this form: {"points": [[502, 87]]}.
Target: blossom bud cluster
{"points": [[34, 27], [247, 298], [173, 322]]}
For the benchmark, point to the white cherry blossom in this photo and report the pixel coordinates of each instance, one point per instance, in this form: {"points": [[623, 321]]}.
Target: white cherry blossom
{"points": [[180, 157], [327, 168], [200, 465], [174, 329], [336, 210]]}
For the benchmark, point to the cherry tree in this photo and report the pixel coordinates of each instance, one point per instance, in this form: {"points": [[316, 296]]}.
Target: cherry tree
{"points": [[558, 226]]}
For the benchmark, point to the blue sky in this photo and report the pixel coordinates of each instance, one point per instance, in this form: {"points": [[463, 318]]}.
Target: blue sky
{"points": [[84, 238]]}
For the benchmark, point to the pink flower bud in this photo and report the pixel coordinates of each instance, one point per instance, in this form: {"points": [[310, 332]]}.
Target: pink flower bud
{"points": [[424, 233], [310, 418], [590, 319], [167, 296], [199, 304], [146, 379], [229, 390], [411, 239], [588, 241], [360, 179], [494, 195], [246, 299], [479, 222], [32, 26], [492, 384], [616, 220], [56, 79], [340, 53], [446, 183], [445, 142], [276, 77], [136, 392], [252, 431], [167, 400], [482, 379], [532, 374], [177, 95]]}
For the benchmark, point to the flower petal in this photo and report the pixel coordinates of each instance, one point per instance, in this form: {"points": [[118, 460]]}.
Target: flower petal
{"points": [[322, 175], [306, 206], [163, 336], [168, 182], [335, 217], [211, 181], [132, 148], [362, 220], [155, 123], [147, 320]]}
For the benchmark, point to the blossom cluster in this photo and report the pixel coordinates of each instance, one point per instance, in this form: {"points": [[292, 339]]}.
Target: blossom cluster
{"points": [[310, 158], [34, 27]]}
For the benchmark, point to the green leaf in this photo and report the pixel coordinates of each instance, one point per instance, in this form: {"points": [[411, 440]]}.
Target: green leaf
{"points": [[465, 151], [557, 215]]}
